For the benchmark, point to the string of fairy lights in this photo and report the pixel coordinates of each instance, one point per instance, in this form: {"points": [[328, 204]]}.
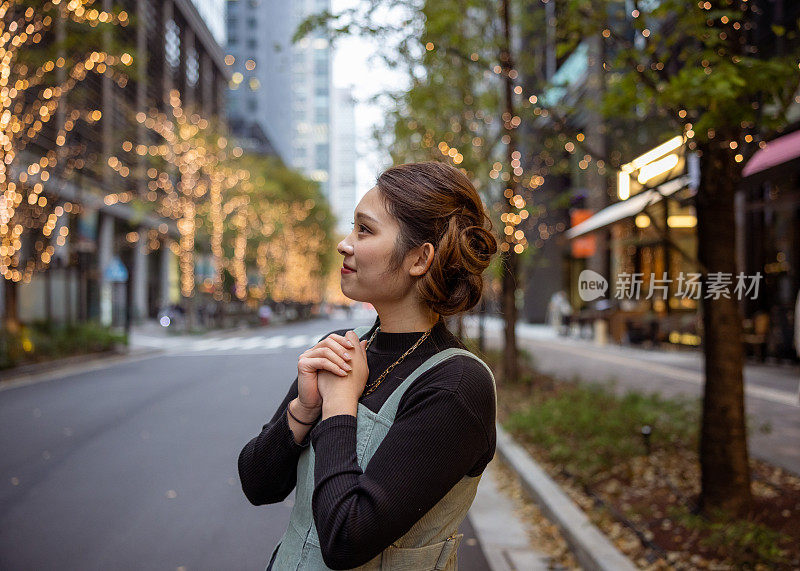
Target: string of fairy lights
{"points": [[196, 176], [30, 98], [514, 236], [196, 172], [213, 188]]}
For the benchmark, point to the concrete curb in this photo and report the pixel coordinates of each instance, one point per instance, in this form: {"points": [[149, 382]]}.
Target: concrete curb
{"points": [[501, 534], [58, 368], [592, 549]]}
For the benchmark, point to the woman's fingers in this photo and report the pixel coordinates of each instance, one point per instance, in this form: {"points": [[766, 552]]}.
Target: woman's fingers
{"points": [[353, 338], [319, 363], [341, 339], [334, 352], [336, 346], [331, 355], [328, 353]]}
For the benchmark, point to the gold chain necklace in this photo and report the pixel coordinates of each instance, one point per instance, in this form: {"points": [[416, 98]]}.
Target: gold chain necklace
{"points": [[369, 389]]}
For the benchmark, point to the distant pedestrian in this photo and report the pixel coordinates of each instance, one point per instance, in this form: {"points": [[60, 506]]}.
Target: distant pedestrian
{"points": [[559, 311], [403, 415], [265, 314]]}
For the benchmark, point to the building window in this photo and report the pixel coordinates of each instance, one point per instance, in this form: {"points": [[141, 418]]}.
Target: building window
{"points": [[192, 67], [321, 67], [252, 105], [172, 44], [251, 43], [321, 157], [321, 115]]}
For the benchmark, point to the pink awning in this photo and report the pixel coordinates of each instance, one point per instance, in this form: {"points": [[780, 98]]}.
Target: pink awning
{"points": [[777, 151]]}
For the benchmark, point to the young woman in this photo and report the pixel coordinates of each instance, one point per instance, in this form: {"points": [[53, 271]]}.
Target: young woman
{"points": [[387, 429]]}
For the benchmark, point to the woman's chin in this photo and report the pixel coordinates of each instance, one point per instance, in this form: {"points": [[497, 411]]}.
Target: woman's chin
{"points": [[349, 292]]}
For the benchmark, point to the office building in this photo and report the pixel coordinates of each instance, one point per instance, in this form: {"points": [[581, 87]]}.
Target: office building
{"points": [[311, 100], [343, 158], [260, 53]]}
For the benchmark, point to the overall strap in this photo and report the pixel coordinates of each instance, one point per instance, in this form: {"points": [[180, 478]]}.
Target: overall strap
{"points": [[361, 330], [389, 409]]}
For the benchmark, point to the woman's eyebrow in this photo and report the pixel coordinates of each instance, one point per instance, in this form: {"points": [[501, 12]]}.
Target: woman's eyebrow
{"points": [[362, 215]]}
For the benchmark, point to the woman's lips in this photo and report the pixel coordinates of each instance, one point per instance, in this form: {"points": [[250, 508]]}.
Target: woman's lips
{"points": [[346, 270]]}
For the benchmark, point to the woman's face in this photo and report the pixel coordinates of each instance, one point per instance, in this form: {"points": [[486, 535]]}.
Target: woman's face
{"points": [[368, 250]]}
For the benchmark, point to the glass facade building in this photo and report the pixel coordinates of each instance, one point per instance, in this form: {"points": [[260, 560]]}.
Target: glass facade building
{"points": [[311, 99], [260, 101]]}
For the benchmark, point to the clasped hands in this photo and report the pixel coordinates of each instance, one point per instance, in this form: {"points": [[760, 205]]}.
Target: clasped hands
{"points": [[331, 376]]}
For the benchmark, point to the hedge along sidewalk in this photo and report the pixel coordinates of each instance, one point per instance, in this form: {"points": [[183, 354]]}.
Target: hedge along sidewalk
{"points": [[591, 547]]}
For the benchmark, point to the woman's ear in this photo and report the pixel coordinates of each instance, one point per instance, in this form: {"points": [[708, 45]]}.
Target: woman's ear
{"points": [[423, 260]]}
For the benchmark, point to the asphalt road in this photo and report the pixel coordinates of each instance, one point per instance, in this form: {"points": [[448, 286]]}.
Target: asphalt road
{"points": [[134, 465]]}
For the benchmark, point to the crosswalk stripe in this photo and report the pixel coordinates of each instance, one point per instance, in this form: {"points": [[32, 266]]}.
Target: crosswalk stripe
{"points": [[220, 344], [252, 343], [297, 341], [275, 342]]}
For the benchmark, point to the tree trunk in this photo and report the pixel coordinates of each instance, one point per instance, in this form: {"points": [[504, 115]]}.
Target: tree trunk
{"points": [[482, 325], [725, 472], [509, 307], [509, 258], [11, 310]]}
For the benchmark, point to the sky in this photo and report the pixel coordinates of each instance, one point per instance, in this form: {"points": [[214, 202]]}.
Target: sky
{"points": [[352, 67]]}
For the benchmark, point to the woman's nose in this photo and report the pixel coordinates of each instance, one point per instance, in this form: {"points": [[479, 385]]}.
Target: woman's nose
{"points": [[344, 248]]}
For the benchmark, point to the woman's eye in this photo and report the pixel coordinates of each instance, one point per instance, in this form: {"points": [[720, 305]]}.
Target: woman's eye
{"points": [[360, 226]]}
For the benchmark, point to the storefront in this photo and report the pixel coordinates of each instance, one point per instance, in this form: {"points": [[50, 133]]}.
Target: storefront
{"points": [[768, 224], [652, 248]]}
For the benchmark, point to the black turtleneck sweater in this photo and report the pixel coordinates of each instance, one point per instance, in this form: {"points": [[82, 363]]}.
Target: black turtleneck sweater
{"points": [[444, 429]]}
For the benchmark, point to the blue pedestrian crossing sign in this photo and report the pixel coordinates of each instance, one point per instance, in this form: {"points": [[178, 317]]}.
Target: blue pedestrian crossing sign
{"points": [[116, 271]]}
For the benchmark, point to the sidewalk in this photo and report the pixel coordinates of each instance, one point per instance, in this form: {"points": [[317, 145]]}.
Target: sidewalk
{"points": [[771, 390], [501, 533]]}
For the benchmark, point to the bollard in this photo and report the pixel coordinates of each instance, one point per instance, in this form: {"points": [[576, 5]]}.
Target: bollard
{"points": [[646, 431]]}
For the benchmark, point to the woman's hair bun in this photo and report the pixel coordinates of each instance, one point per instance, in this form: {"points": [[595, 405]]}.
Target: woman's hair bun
{"points": [[437, 203]]}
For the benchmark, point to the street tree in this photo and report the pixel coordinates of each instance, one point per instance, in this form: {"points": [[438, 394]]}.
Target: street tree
{"points": [[699, 69], [288, 226], [41, 65]]}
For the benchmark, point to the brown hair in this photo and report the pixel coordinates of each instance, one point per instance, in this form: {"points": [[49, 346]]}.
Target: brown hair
{"points": [[435, 202]]}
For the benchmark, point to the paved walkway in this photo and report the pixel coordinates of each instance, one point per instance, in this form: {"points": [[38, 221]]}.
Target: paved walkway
{"points": [[501, 533], [771, 391]]}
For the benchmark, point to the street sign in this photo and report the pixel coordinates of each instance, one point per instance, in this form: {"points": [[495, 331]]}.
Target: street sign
{"points": [[116, 271]]}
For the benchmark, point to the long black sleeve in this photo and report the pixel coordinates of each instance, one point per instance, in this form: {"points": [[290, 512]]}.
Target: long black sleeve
{"points": [[268, 463], [442, 432]]}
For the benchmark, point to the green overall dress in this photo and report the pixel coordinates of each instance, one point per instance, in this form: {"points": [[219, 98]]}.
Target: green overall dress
{"points": [[431, 543]]}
